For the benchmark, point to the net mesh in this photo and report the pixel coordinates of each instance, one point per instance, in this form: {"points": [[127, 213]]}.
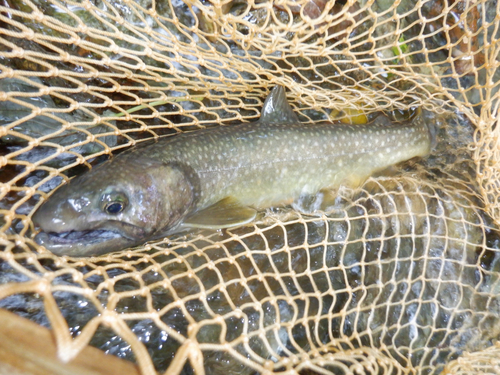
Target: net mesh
{"points": [[400, 276]]}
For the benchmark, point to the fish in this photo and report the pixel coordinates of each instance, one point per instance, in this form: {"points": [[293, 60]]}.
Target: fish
{"points": [[218, 178]]}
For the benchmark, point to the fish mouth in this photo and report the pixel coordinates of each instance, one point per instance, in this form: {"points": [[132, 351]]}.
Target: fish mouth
{"points": [[72, 237], [85, 243]]}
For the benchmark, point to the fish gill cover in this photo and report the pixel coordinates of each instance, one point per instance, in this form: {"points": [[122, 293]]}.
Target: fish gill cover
{"points": [[399, 276]]}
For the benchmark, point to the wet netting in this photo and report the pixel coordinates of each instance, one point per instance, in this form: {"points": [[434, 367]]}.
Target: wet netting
{"points": [[399, 276]]}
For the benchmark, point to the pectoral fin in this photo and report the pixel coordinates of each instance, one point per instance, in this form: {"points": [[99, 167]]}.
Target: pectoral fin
{"points": [[226, 213]]}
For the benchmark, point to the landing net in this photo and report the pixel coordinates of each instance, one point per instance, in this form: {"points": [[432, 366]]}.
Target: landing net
{"points": [[400, 276]]}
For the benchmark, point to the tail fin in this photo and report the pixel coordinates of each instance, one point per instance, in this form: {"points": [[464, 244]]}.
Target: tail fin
{"points": [[430, 121], [433, 134]]}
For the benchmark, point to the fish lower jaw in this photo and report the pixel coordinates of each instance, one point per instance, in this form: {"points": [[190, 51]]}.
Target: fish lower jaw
{"points": [[49, 239]]}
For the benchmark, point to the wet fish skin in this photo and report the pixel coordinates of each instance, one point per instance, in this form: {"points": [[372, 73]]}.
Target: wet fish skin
{"points": [[157, 195], [168, 185]]}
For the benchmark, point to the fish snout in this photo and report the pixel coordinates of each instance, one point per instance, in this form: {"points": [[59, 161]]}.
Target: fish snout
{"points": [[58, 216]]}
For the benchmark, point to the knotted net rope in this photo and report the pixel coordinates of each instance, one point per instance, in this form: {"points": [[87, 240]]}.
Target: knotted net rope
{"points": [[400, 276]]}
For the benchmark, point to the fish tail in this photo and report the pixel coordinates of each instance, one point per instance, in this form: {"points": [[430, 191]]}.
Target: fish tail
{"points": [[431, 126], [427, 120]]}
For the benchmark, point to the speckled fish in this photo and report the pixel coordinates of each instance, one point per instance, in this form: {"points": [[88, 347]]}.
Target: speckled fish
{"points": [[217, 178]]}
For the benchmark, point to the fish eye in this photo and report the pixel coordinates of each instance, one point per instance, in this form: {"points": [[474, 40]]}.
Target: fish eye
{"points": [[114, 203], [114, 208]]}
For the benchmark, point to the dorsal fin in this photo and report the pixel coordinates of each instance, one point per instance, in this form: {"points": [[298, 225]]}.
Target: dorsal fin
{"points": [[276, 109]]}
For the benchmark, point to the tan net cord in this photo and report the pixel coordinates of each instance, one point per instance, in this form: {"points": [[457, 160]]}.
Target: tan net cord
{"points": [[397, 277]]}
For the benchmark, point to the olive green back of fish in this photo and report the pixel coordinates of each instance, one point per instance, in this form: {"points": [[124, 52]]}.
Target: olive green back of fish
{"points": [[277, 158], [217, 178]]}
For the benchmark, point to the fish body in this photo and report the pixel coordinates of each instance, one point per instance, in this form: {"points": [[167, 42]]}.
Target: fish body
{"points": [[216, 178]]}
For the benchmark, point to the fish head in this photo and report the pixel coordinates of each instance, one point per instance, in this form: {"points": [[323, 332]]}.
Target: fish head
{"points": [[119, 204]]}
